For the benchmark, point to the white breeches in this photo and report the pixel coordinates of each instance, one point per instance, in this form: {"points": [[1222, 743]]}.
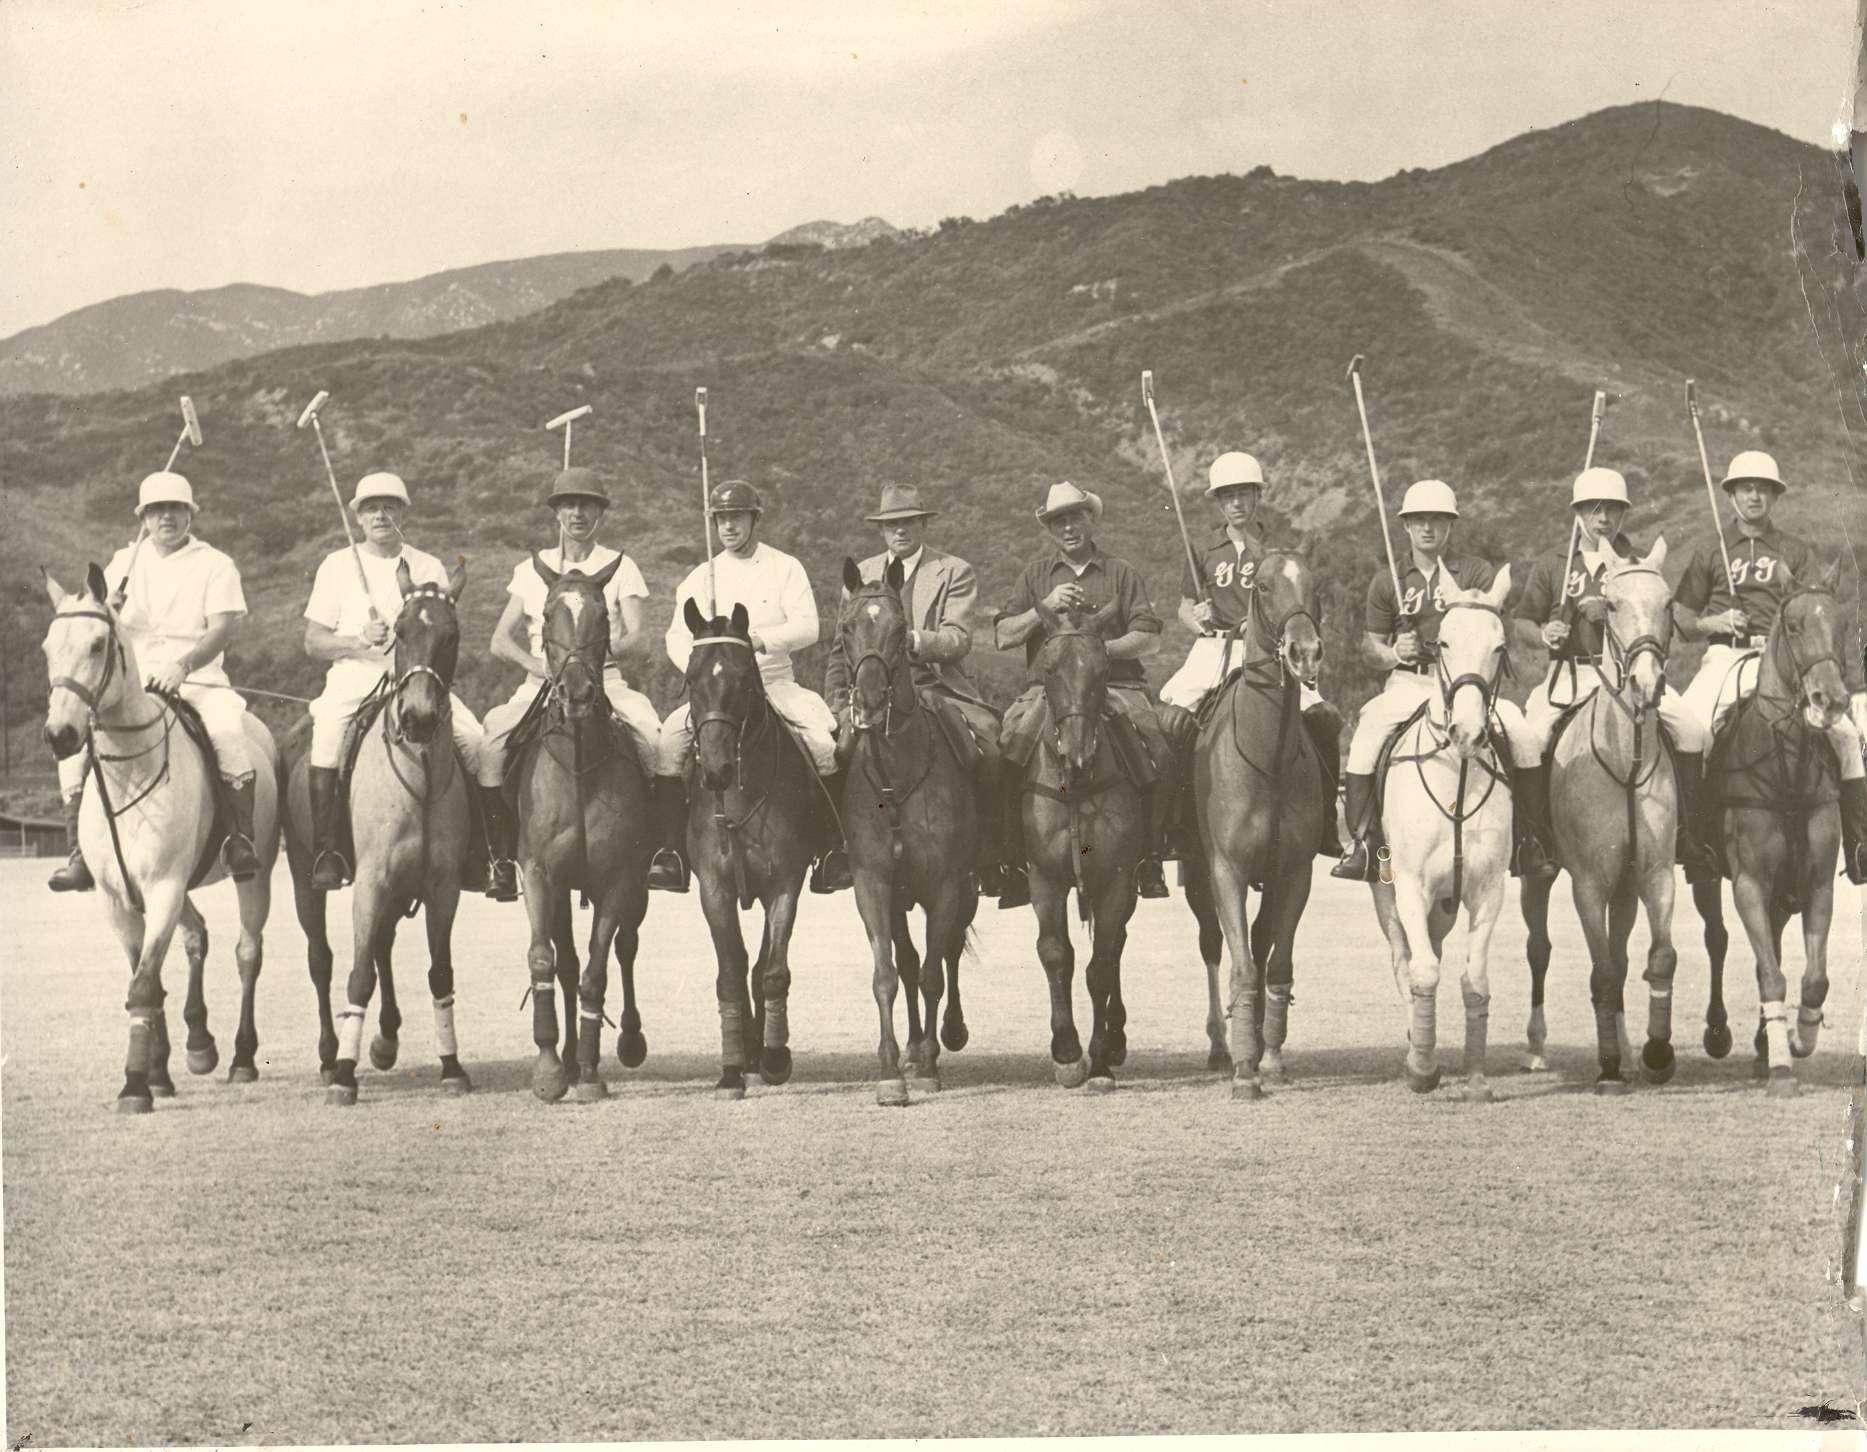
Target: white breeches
{"points": [[1726, 675], [1558, 689], [1200, 674], [634, 709], [223, 712], [333, 711], [1400, 698], [803, 709]]}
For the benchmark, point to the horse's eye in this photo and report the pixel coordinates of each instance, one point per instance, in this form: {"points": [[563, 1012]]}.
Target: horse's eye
{"points": [[96, 646]]}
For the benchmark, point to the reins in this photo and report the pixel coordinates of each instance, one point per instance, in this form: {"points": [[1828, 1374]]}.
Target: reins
{"points": [[765, 729], [873, 742]]}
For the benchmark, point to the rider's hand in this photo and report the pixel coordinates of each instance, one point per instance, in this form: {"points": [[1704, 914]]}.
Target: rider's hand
{"points": [[376, 633], [165, 677], [1202, 612], [758, 643], [1592, 608], [1407, 646], [1555, 632], [1066, 596], [1736, 622]]}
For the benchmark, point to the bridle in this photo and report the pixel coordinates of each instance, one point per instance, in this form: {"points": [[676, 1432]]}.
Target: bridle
{"points": [[578, 658], [392, 716], [93, 697], [1057, 718], [1788, 642], [739, 724], [1626, 653], [858, 720], [1486, 686]]}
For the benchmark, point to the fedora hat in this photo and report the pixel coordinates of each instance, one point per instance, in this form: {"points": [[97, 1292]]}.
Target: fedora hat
{"points": [[1067, 496], [900, 501]]}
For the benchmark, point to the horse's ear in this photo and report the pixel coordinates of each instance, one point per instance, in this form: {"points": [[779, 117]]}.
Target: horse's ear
{"points": [[741, 622], [94, 582], [696, 622], [459, 580], [1500, 589], [603, 576], [1656, 556], [546, 573], [893, 574], [404, 580], [54, 591], [852, 577]]}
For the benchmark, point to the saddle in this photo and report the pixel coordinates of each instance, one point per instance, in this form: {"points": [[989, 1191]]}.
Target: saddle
{"points": [[529, 732], [1392, 743], [195, 729], [473, 866], [955, 727], [1021, 742]]}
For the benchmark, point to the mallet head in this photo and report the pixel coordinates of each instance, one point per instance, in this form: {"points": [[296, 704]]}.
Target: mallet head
{"points": [[311, 409], [1354, 366], [191, 421], [1147, 385], [571, 417], [700, 407], [1691, 394]]}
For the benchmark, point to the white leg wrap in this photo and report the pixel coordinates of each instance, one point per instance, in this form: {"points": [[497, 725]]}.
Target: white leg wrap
{"points": [[444, 1040], [350, 1032], [1776, 1033]]}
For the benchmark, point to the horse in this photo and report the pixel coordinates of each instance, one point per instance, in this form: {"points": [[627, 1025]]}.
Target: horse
{"points": [[1447, 823], [146, 826], [583, 823], [911, 830], [1086, 827], [1614, 809], [750, 824], [410, 818], [1258, 785], [1780, 826]]}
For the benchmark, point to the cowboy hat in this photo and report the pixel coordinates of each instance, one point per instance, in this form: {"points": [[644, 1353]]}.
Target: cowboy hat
{"points": [[1067, 496]]}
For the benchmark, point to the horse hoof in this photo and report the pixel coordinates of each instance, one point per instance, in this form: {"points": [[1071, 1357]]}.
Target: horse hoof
{"points": [[729, 1093], [341, 1095], [162, 1088], [456, 1084], [774, 1065], [1535, 1064], [892, 1094], [1274, 1073], [135, 1104], [1072, 1074], [925, 1084], [592, 1090], [247, 1074], [1612, 1087], [1116, 1054], [1782, 1084], [955, 1035], [1100, 1084], [203, 1061], [383, 1052], [632, 1049], [549, 1083], [1246, 1091], [1218, 1059], [1423, 1083], [327, 1074], [1718, 1039], [1479, 1094], [1657, 1062]]}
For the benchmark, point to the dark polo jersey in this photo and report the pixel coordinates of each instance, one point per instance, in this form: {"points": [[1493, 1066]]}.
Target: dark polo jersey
{"points": [[1542, 598], [1229, 571], [1106, 577], [1765, 571], [1420, 600]]}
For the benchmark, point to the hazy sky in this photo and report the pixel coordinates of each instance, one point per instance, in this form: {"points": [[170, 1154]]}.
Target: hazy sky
{"points": [[328, 143]]}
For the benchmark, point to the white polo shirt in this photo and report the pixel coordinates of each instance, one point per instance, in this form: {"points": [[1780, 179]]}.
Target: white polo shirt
{"points": [[339, 604], [529, 590], [171, 600], [776, 594]]}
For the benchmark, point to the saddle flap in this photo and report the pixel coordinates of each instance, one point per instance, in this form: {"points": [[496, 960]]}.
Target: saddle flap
{"points": [[189, 719]]}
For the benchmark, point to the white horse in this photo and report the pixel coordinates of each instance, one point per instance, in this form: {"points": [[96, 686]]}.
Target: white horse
{"points": [[144, 827], [1446, 811]]}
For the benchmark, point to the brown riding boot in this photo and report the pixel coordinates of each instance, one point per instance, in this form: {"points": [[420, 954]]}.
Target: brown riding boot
{"points": [[329, 870], [1361, 863], [502, 834], [1016, 892], [667, 872], [1534, 856], [74, 876], [1698, 849], [237, 850], [1854, 830], [1324, 724]]}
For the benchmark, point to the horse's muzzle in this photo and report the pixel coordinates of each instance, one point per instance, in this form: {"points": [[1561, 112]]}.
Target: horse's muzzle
{"points": [[64, 740]]}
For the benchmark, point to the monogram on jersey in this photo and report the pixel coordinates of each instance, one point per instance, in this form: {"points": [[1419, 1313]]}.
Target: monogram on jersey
{"points": [[1245, 571], [1576, 585], [1759, 571], [1416, 596]]}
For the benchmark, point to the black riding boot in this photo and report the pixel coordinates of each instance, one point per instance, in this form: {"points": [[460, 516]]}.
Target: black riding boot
{"points": [[667, 872], [1361, 863], [1016, 892], [1324, 724], [502, 833], [1149, 879], [74, 876], [1698, 848], [831, 870], [1533, 839], [1854, 831], [329, 871], [988, 804], [237, 851]]}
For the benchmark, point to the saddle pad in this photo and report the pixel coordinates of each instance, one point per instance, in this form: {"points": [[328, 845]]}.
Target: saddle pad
{"points": [[196, 730]]}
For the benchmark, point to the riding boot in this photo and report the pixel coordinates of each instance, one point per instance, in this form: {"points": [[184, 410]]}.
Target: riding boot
{"points": [[1361, 863], [988, 804], [237, 851], [1016, 892], [1854, 830], [1149, 879], [830, 873], [329, 871], [1324, 724], [1698, 849], [74, 876], [667, 872], [502, 832], [1532, 839]]}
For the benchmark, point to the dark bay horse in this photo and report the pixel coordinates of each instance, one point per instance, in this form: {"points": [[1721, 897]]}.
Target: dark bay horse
{"points": [[583, 824], [1086, 826], [409, 819], [1776, 778], [753, 805], [1260, 794], [1614, 808], [911, 824]]}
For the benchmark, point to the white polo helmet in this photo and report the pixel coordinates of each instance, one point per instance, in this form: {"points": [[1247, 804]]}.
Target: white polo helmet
{"points": [[162, 487], [1599, 486], [1430, 496], [1230, 470], [380, 486], [1753, 465]]}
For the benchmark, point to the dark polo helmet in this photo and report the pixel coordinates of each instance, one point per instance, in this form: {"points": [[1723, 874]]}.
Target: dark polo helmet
{"points": [[733, 495], [576, 484]]}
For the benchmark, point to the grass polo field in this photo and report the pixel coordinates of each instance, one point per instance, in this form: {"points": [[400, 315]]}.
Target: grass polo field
{"points": [[250, 1264]]}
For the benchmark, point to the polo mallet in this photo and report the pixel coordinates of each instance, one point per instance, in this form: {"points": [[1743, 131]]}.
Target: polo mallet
{"points": [[1711, 494], [1374, 473], [564, 421], [706, 500], [1173, 492], [310, 416], [1575, 521], [191, 433]]}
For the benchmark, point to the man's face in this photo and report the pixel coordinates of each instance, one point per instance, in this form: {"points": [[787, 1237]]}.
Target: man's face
{"points": [[578, 516], [1429, 532], [168, 524], [904, 536], [1070, 529], [1601, 518], [1238, 504], [737, 528], [1752, 498], [382, 522]]}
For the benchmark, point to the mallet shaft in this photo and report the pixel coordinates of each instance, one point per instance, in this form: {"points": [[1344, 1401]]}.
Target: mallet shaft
{"points": [[1374, 474], [1173, 491], [1711, 493], [343, 514], [1575, 524], [706, 499]]}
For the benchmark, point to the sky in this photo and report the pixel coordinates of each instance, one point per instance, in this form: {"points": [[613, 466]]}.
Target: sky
{"points": [[193, 143]]}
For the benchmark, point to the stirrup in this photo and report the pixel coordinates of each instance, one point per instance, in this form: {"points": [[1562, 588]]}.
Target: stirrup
{"points": [[667, 871], [330, 855], [244, 871], [1357, 864]]}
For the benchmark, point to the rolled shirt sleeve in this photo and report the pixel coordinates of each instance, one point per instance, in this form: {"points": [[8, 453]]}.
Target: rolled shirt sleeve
{"points": [[1380, 615]]}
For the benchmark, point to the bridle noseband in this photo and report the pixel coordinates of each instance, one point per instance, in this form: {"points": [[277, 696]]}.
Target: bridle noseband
{"points": [[1625, 653], [1486, 686], [739, 724], [113, 651], [1804, 668], [578, 657], [859, 721], [421, 592]]}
